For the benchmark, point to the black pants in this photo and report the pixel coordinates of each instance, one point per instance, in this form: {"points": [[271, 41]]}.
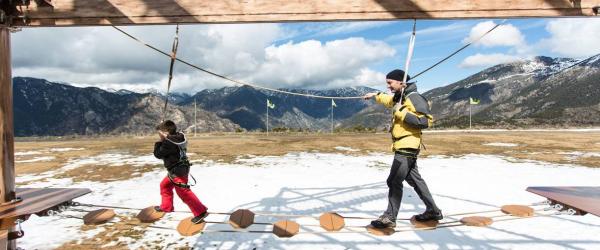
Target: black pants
{"points": [[405, 168]]}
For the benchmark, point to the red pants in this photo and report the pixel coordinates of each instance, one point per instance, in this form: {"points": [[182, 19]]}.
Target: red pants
{"points": [[186, 195]]}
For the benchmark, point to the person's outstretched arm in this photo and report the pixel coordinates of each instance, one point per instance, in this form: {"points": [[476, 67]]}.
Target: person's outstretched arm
{"points": [[384, 99]]}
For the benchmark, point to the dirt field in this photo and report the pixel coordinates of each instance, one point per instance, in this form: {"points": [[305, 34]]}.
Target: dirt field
{"points": [[570, 147]]}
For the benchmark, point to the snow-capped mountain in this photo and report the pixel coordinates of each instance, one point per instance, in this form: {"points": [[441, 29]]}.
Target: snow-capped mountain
{"points": [[544, 90]]}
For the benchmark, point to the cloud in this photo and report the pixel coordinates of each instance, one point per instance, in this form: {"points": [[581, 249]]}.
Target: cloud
{"points": [[576, 37], [364, 77], [481, 60], [103, 57], [504, 35], [319, 65]]}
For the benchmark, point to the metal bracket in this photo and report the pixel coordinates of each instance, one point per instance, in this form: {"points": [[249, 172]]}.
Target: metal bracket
{"points": [[17, 234], [565, 209], [11, 202]]}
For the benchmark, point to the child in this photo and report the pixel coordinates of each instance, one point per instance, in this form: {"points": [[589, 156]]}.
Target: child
{"points": [[172, 149]]}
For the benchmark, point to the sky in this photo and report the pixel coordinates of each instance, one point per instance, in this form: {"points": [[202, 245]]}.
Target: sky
{"points": [[314, 55]]}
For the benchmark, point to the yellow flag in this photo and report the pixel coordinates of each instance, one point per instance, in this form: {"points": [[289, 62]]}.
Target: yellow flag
{"points": [[270, 104], [473, 101]]}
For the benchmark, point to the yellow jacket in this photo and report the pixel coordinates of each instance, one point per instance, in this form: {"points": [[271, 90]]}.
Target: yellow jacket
{"points": [[408, 119]]}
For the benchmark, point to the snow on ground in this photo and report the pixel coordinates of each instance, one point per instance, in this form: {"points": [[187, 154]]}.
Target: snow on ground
{"points": [[576, 154], [36, 159], [28, 153], [340, 148], [115, 160], [313, 183], [501, 144], [65, 149]]}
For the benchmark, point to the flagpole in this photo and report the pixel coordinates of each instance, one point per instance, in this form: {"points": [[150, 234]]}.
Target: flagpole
{"points": [[267, 117], [470, 115], [195, 118], [332, 116]]}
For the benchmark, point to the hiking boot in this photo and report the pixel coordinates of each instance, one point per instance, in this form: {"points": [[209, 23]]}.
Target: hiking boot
{"points": [[383, 222], [429, 215], [200, 218]]}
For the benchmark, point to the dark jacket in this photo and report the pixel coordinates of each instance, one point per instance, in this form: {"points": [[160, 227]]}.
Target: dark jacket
{"points": [[168, 151]]}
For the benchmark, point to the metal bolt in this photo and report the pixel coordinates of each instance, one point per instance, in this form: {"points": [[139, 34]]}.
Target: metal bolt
{"points": [[19, 229]]}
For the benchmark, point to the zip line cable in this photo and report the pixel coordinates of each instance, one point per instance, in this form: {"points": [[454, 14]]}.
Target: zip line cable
{"points": [[283, 91], [230, 79], [459, 50], [171, 66]]}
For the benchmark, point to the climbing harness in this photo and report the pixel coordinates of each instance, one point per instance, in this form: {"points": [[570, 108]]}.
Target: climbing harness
{"points": [[183, 162]]}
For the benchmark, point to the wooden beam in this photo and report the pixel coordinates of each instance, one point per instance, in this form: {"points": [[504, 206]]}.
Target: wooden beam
{"points": [[7, 156], [131, 12], [3, 239]]}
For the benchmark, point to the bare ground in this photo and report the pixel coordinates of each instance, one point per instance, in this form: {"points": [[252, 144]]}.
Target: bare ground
{"points": [[559, 147]]}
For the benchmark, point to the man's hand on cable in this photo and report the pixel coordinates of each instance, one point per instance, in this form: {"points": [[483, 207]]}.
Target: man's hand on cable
{"points": [[370, 95]]}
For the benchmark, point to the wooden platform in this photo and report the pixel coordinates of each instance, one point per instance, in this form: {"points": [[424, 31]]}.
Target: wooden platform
{"points": [[586, 199], [36, 200]]}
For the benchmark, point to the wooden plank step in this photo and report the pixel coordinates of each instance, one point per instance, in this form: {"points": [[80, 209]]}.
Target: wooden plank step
{"points": [[583, 198], [36, 200]]}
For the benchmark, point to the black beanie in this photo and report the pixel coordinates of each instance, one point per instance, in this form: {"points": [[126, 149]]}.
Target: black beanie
{"points": [[397, 75]]}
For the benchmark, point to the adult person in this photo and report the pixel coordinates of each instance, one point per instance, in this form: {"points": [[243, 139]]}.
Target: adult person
{"points": [[411, 114]]}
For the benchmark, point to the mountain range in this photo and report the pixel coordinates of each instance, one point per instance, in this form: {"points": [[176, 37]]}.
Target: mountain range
{"points": [[542, 91]]}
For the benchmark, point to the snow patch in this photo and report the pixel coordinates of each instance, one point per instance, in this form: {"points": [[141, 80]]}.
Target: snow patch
{"points": [[65, 149], [28, 153], [501, 144], [577, 154], [112, 160], [36, 159], [340, 148]]}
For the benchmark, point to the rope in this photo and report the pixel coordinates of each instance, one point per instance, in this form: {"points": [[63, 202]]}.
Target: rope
{"points": [[297, 215], [233, 80], [173, 58], [409, 54], [459, 50], [348, 229]]}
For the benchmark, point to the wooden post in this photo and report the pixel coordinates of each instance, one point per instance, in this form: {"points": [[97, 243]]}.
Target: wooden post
{"points": [[7, 156]]}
